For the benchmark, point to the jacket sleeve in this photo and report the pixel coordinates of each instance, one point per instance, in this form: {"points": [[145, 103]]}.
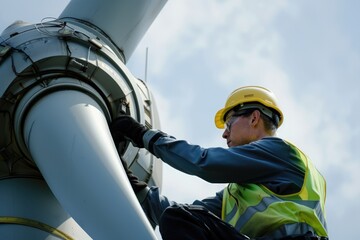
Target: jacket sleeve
{"points": [[266, 161], [153, 204]]}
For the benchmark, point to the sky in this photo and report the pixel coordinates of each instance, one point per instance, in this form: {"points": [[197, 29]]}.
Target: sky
{"points": [[306, 52]]}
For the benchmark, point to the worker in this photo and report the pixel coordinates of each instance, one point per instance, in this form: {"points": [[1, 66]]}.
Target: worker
{"points": [[273, 189]]}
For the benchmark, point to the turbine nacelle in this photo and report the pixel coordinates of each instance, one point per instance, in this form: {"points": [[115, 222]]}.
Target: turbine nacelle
{"points": [[63, 81]]}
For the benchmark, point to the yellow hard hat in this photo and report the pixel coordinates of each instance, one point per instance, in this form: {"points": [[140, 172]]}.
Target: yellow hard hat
{"points": [[249, 94]]}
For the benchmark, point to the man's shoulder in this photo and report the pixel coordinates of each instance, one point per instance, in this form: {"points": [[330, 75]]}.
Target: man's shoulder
{"points": [[274, 143], [271, 140]]}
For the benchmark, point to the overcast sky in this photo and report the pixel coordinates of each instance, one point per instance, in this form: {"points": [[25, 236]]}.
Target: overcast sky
{"points": [[306, 52]]}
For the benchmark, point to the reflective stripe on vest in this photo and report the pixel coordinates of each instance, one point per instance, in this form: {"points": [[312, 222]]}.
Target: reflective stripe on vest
{"points": [[256, 211]]}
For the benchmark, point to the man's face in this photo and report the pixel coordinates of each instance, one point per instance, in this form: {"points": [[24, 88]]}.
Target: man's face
{"points": [[238, 128]]}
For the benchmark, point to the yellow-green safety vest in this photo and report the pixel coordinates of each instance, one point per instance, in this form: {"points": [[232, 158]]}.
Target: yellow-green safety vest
{"points": [[256, 211]]}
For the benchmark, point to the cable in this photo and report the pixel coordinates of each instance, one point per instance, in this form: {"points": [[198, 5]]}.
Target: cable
{"points": [[35, 224], [44, 24]]}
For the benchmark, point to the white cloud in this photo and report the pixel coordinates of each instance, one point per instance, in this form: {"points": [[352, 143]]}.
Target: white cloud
{"points": [[184, 27], [306, 53], [170, 119], [311, 68]]}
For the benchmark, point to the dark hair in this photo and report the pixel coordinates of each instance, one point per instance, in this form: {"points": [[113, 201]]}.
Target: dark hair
{"points": [[269, 124]]}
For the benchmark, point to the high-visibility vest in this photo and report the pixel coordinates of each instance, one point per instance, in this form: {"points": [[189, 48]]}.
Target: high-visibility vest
{"points": [[255, 210]]}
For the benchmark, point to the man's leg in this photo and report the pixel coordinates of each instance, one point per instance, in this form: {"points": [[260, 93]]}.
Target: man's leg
{"points": [[185, 222]]}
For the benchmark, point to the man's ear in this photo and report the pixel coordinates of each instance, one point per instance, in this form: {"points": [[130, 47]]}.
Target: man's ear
{"points": [[255, 117]]}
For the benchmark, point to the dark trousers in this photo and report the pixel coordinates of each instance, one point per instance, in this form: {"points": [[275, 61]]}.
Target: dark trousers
{"points": [[192, 222], [185, 222]]}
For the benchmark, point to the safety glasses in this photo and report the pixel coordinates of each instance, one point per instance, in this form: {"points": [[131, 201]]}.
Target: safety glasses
{"points": [[232, 118]]}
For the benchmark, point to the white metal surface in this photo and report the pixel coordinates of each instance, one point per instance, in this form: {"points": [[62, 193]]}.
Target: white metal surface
{"points": [[67, 135], [62, 82], [124, 22], [28, 198]]}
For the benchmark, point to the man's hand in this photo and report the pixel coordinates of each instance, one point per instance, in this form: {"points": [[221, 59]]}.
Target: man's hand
{"points": [[136, 184], [125, 127]]}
